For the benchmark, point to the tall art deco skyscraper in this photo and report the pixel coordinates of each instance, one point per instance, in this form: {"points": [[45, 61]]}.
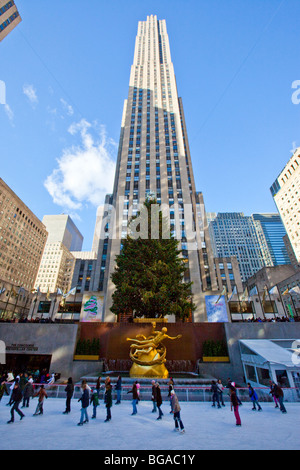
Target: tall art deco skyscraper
{"points": [[154, 158]]}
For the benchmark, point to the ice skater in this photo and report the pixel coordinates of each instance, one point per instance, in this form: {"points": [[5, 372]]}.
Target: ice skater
{"points": [[135, 398], [235, 405], [108, 399], [220, 392], [42, 395], [94, 402], [215, 391], [69, 391], [254, 398], [158, 400], [16, 398], [85, 400], [28, 393], [118, 389], [176, 411], [273, 394], [153, 397], [278, 392]]}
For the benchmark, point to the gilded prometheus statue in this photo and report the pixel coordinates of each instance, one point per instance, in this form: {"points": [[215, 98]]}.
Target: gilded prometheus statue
{"points": [[149, 354]]}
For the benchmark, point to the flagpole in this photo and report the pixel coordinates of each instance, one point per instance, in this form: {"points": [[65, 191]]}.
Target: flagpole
{"points": [[271, 302], [7, 301], [237, 291], [283, 304], [293, 304], [262, 308]]}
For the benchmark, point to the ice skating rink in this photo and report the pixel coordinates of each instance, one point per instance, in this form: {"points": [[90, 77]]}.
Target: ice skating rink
{"points": [[206, 428]]}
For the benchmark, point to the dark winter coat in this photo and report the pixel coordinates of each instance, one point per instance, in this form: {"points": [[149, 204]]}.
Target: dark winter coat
{"points": [[214, 388], [278, 392], [85, 399], [108, 396], [28, 390], [70, 390], [16, 395], [134, 392], [153, 393], [158, 396], [119, 384]]}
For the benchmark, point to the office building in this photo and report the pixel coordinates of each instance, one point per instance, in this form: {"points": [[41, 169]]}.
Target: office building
{"points": [[154, 159], [57, 264], [286, 194], [22, 240], [271, 232], [9, 17]]}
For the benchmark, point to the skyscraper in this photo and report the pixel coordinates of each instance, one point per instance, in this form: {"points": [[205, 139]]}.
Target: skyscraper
{"points": [[9, 17], [154, 158], [286, 193], [271, 231]]}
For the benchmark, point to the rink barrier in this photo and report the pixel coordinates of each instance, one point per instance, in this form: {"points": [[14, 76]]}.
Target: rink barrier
{"points": [[184, 393]]}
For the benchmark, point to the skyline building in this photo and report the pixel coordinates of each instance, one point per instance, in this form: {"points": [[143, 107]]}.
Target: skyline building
{"points": [[154, 160], [57, 263], [234, 234], [22, 240], [286, 194], [9, 17]]}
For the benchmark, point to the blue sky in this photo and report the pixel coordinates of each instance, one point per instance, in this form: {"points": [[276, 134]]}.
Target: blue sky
{"points": [[66, 70]]}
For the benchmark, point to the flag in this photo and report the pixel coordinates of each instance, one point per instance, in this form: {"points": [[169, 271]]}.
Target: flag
{"points": [[234, 292], [2, 290], [13, 292], [59, 291], [245, 295], [224, 291], [264, 294], [285, 292], [71, 292], [295, 290], [48, 294], [274, 290], [253, 291]]}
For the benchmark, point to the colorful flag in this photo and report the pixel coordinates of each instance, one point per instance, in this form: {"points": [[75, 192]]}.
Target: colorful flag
{"points": [[295, 290], [48, 294], [285, 292], [59, 291], [2, 290]]}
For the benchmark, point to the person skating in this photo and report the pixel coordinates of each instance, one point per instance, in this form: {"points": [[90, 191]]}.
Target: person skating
{"points": [[98, 386], [273, 394], [135, 397], [220, 392], [41, 394], [28, 393], [118, 389], [176, 411], [85, 400], [278, 392], [215, 391], [171, 387], [235, 405], [158, 401], [94, 402], [3, 389], [153, 397], [254, 398], [16, 398], [108, 399], [69, 391]]}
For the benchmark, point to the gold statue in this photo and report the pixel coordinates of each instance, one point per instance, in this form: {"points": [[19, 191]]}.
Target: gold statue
{"points": [[149, 355]]}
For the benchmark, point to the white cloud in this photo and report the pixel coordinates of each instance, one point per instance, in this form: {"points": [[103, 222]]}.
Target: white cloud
{"points": [[9, 112], [30, 92], [67, 107], [85, 172]]}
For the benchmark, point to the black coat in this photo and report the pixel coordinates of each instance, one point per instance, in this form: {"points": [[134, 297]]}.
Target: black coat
{"points": [[16, 395], [70, 390], [158, 397], [85, 399]]}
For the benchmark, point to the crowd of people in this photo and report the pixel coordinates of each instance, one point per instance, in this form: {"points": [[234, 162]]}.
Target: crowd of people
{"points": [[25, 386]]}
